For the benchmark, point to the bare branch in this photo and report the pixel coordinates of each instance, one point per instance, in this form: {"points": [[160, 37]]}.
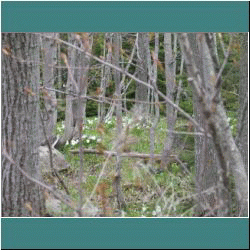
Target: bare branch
{"points": [[218, 78], [114, 153]]}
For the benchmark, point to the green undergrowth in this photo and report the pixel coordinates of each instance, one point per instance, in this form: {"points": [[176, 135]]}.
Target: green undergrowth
{"points": [[149, 191]]}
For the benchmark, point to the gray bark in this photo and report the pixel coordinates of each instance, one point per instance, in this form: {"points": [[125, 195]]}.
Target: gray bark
{"points": [[20, 125], [106, 75], [69, 121], [141, 90], [243, 110], [77, 83], [170, 87], [215, 117], [81, 76], [117, 78], [49, 51], [205, 156], [155, 95]]}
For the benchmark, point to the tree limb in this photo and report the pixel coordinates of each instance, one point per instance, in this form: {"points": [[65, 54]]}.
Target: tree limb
{"points": [[113, 153]]}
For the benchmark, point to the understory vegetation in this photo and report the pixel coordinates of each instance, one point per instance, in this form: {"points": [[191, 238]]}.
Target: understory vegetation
{"points": [[149, 191]]}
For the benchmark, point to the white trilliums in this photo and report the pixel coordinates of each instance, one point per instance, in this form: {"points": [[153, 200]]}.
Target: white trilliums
{"points": [[74, 142]]}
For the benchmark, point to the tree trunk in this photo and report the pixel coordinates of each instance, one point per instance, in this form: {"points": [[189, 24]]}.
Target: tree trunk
{"points": [[205, 157], [141, 90], [243, 110], [20, 125], [156, 99], [211, 107], [81, 76], [117, 78], [49, 52], [170, 87], [70, 88], [77, 84]]}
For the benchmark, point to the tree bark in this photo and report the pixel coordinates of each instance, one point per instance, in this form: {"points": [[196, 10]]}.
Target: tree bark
{"points": [[156, 98], [170, 87], [77, 83], [49, 51], [217, 125], [20, 125], [243, 110], [69, 120], [117, 78], [205, 156], [141, 90]]}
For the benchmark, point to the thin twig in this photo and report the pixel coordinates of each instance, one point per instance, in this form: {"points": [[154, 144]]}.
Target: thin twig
{"points": [[218, 82]]}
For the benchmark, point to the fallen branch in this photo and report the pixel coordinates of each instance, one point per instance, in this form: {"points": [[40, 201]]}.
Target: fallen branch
{"points": [[113, 153]]}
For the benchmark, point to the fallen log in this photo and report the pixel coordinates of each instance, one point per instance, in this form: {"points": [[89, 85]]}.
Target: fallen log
{"points": [[113, 153]]}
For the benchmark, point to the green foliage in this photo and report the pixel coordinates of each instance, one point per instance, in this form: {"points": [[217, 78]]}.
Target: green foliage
{"points": [[98, 44], [91, 108], [187, 106], [137, 183]]}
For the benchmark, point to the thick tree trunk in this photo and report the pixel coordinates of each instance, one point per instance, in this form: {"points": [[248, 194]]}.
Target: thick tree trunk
{"points": [[205, 156], [20, 125]]}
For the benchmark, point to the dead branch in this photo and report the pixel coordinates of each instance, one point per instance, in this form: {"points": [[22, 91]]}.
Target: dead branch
{"points": [[113, 153]]}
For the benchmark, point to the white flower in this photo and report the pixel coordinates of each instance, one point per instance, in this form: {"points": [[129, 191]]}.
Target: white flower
{"points": [[92, 138], [158, 209], [99, 140], [84, 136], [123, 213], [67, 143], [154, 213], [74, 142], [87, 140], [144, 209]]}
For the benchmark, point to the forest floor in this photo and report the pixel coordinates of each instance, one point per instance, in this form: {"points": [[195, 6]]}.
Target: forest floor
{"points": [[148, 191]]}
